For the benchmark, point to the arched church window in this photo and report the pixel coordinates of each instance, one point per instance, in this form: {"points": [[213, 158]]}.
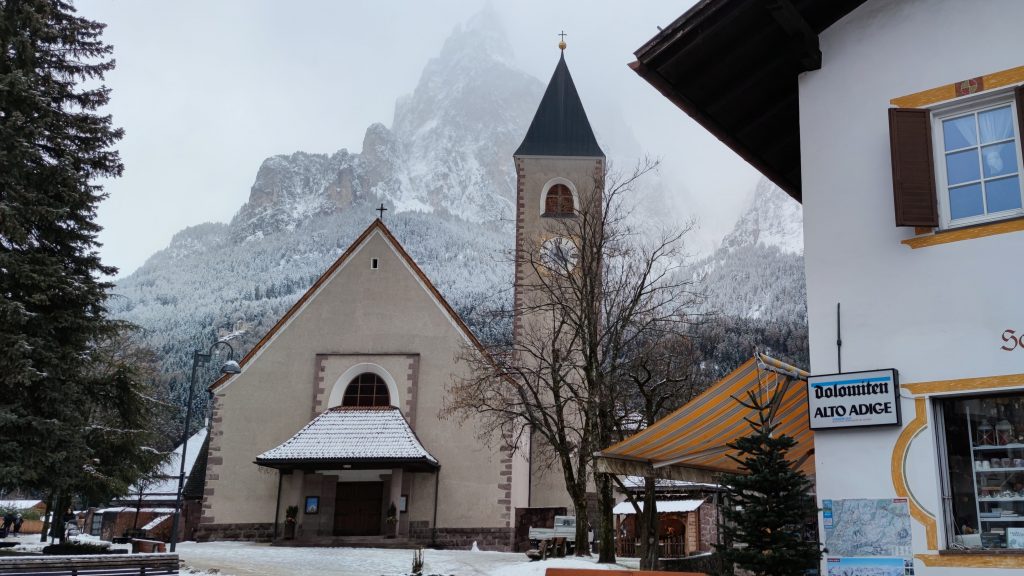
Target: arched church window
{"points": [[558, 201], [367, 389]]}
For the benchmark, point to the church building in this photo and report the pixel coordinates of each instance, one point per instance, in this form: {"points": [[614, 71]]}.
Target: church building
{"points": [[331, 431]]}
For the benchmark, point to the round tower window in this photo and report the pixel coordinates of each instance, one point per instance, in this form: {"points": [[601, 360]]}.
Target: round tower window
{"points": [[558, 201]]}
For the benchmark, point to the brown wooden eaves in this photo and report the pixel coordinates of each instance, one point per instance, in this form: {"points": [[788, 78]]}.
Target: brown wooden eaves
{"points": [[711, 125]]}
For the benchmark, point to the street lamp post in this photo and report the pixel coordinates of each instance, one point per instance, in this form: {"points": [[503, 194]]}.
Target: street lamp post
{"points": [[198, 359]]}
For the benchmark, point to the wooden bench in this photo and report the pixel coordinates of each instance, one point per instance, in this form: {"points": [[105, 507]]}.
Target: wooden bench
{"points": [[592, 572], [93, 565]]}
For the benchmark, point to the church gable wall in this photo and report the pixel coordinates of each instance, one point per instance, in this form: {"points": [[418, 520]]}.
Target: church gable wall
{"points": [[379, 316]]}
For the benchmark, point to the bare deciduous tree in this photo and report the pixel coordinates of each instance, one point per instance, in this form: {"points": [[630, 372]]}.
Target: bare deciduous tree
{"points": [[599, 287], [662, 375]]}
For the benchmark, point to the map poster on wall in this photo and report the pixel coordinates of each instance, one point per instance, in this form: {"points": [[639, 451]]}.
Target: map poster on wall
{"points": [[869, 567], [867, 527]]}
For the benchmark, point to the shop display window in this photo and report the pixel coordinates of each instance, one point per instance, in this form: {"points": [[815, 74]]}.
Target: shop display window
{"points": [[984, 471]]}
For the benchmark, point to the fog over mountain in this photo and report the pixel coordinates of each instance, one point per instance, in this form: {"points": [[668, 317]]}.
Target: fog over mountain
{"points": [[758, 270], [444, 170]]}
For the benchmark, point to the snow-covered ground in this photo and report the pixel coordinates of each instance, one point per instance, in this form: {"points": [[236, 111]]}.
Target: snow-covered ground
{"points": [[250, 559], [244, 559], [31, 542]]}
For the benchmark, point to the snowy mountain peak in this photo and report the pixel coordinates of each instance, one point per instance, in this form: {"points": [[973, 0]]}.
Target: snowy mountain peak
{"points": [[449, 148], [772, 219], [481, 39]]}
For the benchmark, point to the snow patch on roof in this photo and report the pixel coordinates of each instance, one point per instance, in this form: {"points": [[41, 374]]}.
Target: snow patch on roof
{"points": [[131, 509], [661, 506], [666, 484], [166, 477], [156, 522], [349, 433], [19, 504]]}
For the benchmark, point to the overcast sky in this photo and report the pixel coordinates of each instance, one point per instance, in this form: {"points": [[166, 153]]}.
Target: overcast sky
{"points": [[206, 90]]}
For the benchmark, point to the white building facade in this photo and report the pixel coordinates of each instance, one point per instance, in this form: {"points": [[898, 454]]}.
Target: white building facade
{"points": [[912, 181], [937, 303]]}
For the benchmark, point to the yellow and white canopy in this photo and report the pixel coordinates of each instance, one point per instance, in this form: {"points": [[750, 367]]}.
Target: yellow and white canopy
{"points": [[695, 436]]}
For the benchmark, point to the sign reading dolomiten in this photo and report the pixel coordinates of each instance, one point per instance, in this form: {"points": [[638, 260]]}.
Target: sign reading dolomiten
{"points": [[854, 399]]}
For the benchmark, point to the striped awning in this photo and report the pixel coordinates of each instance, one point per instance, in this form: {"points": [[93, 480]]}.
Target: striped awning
{"points": [[695, 435]]}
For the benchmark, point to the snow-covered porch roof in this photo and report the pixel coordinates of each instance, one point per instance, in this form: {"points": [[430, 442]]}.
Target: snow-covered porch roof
{"points": [[355, 438], [21, 504], [637, 484], [163, 484], [662, 506]]}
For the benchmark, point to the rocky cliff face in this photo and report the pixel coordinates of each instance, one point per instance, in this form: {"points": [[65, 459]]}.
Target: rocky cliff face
{"points": [[758, 270], [458, 130], [771, 219], [292, 189], [449, 149]]}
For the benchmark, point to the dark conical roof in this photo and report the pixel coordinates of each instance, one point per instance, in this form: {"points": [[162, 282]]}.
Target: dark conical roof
{"points": [[560, 126]]}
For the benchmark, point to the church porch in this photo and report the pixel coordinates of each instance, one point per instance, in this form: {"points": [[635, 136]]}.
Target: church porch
{"points": [[349, 477]]}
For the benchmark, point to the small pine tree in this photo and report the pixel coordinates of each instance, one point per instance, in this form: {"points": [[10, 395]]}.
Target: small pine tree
{"points": [[767, 504]]}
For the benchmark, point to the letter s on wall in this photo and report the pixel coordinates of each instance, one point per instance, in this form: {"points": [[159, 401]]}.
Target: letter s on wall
{"points": [[1008, 336]]}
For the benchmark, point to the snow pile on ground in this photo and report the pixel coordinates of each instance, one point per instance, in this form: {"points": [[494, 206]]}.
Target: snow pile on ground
{"points": [[31, 542], [243, 558]]}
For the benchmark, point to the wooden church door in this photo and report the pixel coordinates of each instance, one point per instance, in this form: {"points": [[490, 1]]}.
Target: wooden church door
{"points": [[357, 508]]}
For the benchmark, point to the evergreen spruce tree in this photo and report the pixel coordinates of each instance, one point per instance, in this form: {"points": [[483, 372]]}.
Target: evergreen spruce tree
{"points": [[767, 504], [57, 392]]}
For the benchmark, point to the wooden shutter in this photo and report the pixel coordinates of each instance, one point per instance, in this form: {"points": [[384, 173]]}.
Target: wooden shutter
{"points": [[1018, 93], [551, 201], [913, 170]]}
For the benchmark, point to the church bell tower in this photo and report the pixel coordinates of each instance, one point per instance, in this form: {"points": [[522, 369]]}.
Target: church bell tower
{"points": [[559, 171]]}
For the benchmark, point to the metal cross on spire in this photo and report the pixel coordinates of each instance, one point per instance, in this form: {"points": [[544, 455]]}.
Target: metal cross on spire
{"points": [[382, 210], [561, 43]]}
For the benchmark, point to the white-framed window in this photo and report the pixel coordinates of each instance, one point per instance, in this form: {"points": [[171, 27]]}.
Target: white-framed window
{"points": [[374, 264], [558, 199], [978, 160]]}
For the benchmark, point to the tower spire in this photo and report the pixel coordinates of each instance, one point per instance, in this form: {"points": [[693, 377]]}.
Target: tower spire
{"points": [[560, 127]]}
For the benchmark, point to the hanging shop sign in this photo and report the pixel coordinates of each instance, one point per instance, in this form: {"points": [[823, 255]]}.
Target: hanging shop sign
{"points": [[854, 399]]}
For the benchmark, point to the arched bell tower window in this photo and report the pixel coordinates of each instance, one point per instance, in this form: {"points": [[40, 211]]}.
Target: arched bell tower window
{"points": [[367, 389], [559, 201]]}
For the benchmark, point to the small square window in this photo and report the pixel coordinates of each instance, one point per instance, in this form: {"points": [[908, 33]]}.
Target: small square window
{"points": [[978, 161], [373, 264]]}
